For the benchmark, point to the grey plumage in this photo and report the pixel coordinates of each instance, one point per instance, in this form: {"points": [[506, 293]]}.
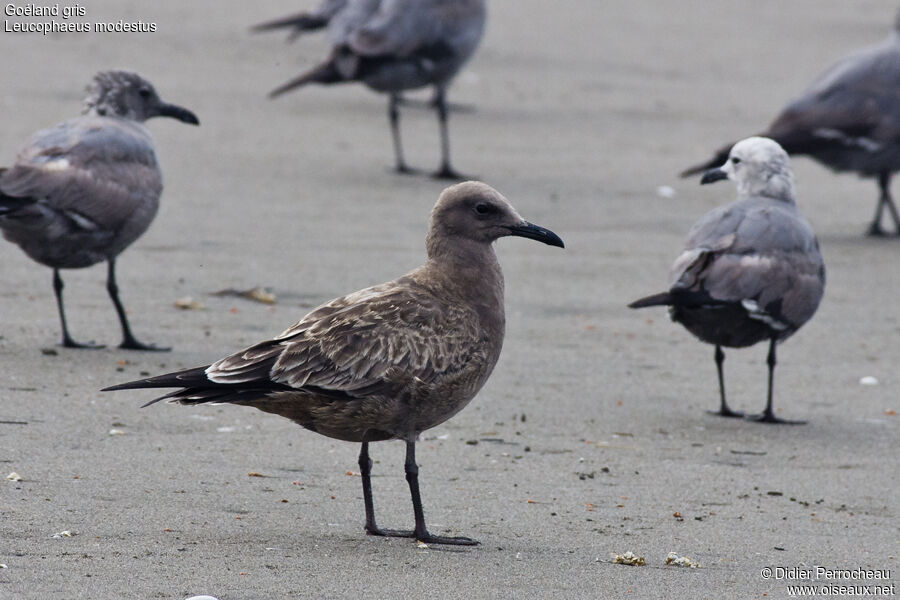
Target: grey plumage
{"points": [[392, 46], [389, 361], [848, 119], [751, 270], [82, 191]]}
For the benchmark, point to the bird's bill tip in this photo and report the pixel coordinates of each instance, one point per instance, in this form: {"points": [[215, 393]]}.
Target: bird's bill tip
{"points": [[713, 175], [177, 112], [538, 233]]}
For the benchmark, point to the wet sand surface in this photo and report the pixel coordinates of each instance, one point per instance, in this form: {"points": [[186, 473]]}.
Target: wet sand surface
{"points": [[590, 439]]}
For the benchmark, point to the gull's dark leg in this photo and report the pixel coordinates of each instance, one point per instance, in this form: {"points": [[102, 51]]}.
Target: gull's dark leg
{"points": [[129, 342], [768, 415], [446, 171], [365, 471], [723, 411], [885, 183], [412, 478], [884, 200], [394, 116], [67, 341]]}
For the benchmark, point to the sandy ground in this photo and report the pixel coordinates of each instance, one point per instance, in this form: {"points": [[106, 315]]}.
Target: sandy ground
{"points": [[591, 434]]}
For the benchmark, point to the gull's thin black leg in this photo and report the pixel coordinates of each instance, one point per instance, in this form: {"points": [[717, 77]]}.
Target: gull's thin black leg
{"points": [[723, 411], [446, 171], [129, 342], [884, 200], [885, 183], [365, 471], [412, 473], [394, 116], [768, 415], [67, 341], [412, 478]]}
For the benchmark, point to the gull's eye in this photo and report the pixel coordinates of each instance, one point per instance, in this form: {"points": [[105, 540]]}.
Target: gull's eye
{"points": [[735, 160], [482, 208], [144, 93]]}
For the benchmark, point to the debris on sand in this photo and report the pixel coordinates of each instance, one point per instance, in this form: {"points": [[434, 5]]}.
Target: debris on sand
{"points": [[256, 294]]}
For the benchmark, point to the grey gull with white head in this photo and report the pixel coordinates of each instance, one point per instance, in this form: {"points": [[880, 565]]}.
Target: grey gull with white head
{"points": [[751, 270]]}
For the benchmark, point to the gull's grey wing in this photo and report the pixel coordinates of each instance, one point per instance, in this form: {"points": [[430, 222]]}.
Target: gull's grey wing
{"points": [[358, 345], [855, 103], [754, 250], [99, 170], [403, 27], [351, 16]]}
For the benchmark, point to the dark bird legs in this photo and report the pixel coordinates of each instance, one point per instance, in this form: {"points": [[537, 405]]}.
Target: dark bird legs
{"points": [[768, 415], [129, 342], [723, 411], [445, 171], [67, 341], [420, 532], [884, 199]]}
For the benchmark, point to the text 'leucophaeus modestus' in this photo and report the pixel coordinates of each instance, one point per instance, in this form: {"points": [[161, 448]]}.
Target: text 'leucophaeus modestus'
{"points": [[392, 46], [81, 192], [389, 361], [751, 270]]}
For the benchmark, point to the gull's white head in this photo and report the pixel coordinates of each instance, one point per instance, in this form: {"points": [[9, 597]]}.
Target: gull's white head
{"points": [[759, 167]]}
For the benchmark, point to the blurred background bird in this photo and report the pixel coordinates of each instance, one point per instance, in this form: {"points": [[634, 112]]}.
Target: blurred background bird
{"points": [[392, 46], [848, 119]]}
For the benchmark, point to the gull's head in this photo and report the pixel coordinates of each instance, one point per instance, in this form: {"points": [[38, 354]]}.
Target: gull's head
{"points": [[128, 95], [758, 166], [475, 212]]}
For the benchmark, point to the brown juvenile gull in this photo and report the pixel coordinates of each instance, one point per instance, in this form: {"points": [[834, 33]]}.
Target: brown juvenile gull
{"points": [[751, 270], [392, 46], [389, 361], [82, 191], [848, 119]]}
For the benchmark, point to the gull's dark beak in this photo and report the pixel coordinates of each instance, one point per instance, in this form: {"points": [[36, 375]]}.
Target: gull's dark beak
{"points": [[176, 112], [713, 175], [536, 232]]}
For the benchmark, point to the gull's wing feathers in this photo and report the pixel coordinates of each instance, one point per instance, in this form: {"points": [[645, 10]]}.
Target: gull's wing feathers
{"points": [[855, 102], [358, 345], [402, 28], [757, 251], [97, 170]]}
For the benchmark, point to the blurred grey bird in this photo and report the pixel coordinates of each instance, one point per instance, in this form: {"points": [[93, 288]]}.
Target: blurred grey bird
{"points": [[82, 191], [392, 46], [751, 270], [848, 119], [389, 361]]}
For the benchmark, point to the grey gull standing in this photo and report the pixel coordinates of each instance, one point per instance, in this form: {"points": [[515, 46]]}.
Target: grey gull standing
{"points": [[389, 361], [82, 191], [848, 119], [392, 46], [751, 270]]}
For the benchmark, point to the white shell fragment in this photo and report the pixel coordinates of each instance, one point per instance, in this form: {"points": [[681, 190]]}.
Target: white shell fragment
{"points": [[868, 380], [14, 477], [62, 534], [116, 432], [681, 561], [629, 558], [202, 598]]}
